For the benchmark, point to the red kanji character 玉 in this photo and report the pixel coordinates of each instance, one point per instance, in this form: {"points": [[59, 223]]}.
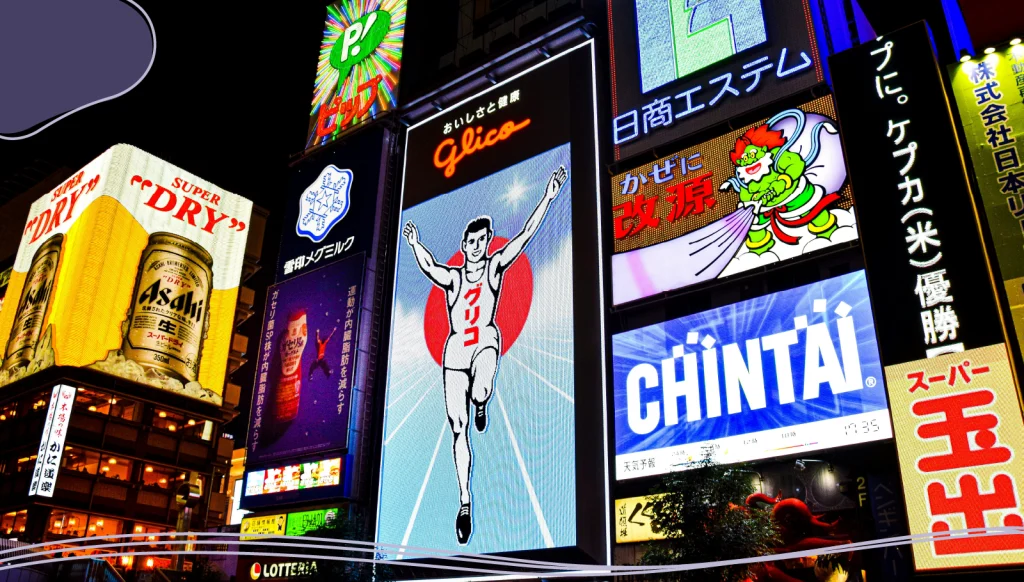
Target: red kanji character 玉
{"points": [[973, 504], [691, 197], [957, 428]]}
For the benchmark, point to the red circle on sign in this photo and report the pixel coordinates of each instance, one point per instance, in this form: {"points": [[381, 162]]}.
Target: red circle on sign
{"points": [[512, 310]]}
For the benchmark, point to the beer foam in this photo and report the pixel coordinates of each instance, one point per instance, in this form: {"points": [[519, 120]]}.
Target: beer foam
{"points": [[116, 364]]}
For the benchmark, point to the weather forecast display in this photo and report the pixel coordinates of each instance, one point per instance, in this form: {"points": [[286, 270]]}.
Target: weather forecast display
{"points": [[357, 74], [768, 192], [782, 374], [480, 439]]}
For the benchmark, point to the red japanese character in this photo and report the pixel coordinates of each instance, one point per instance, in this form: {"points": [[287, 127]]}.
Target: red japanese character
{"points": [[691, 197], [957, 427], [973, 504], [641, 210], [919, 383]]}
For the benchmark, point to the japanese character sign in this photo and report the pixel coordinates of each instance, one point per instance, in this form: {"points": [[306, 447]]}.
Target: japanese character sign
{"points": [[959, 433], [359, 65], [768, 192], [51, 445]]}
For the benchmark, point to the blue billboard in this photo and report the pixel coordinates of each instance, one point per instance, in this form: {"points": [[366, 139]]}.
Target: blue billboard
{"points": [[786, 373]]}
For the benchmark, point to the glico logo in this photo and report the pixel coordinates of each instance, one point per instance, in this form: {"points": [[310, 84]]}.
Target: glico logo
{"points": [[448, 153], [744, 377], [282, 570]]}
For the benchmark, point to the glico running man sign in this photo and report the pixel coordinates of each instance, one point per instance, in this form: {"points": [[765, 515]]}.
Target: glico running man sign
{"points": [[491, 400], [785, 373]]}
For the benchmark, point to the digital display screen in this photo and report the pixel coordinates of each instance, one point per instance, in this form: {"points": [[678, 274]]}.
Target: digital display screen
{"points": [[680, 66], [297, 477], [306, 366], [766, 193], [787, 373], [358, 69], [495, 286]]}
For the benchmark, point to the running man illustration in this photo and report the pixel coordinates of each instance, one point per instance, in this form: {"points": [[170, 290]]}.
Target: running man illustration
{"points": [[473, 347], [321, 355]]}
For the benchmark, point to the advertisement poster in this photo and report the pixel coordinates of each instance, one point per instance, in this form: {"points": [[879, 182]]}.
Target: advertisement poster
{"points": [[990, 96], [791, 372], [267, 524], [306, 364], [765, 193], [333, 204], [959, 433], [5, 279], [926, 265], [296, 477], [131, 267], [357, 72], [51, 445], [679, 67], [305, 521], [493, 287], [634, 520]]}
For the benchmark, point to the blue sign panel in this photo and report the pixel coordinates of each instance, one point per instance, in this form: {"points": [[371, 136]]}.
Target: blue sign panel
{"points": [[786, 373]]}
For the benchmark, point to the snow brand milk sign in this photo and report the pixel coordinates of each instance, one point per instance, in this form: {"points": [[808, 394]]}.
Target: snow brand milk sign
{"points": [[131, 267], [796, 370]]}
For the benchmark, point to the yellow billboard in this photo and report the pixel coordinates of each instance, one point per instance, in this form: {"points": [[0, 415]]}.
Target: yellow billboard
{"points": [[131, 267], [634, 520], [267, 524], [960, 438]]}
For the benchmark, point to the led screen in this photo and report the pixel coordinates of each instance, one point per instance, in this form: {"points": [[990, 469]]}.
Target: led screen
{"points": [[305, 377], [357, 72], [692, 35], [297, 477], [131, 267], [680, 66], [958, 431], [790, 372], [496, 282], [769, 192]]}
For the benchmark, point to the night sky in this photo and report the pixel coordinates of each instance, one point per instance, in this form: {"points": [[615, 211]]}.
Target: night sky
{"points": [[227, 99]]}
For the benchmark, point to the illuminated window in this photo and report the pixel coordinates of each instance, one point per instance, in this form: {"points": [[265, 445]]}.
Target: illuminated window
{"points": [[98, 402], [158, 476], [80, 460], [13, 523], [114, 467], [26, 464], [67, 524], [102, 526], [8, 411]]}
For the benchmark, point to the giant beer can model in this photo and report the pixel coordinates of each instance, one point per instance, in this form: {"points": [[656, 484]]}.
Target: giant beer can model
{"points": [[35, 297], [131, 268], [168, 319]]}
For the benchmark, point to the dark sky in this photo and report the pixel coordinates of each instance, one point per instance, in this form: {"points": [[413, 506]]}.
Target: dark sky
{"points": [[227, 99]]}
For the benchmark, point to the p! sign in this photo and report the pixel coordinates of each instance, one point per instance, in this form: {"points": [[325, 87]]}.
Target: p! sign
{"points": [[789, 372]]}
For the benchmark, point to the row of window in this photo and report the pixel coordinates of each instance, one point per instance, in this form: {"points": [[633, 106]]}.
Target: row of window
{"points": [[96, 402], [86, 461]]}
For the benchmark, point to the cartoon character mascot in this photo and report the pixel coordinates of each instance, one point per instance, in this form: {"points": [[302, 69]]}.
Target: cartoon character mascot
{"points": [[789, 171]]}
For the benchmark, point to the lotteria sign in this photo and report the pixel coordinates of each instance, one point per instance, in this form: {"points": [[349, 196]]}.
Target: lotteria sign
{"points": [[789, 372], [282, 570]]}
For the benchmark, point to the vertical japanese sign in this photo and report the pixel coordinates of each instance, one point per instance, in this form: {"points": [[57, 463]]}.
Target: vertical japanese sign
{"points": [[990, 96], [634, 520], [679, 66], [357, 73], [306, 364], [960, 437], [918, 225], [51, 444], [334, 200], [768, 192], [493, 423]]}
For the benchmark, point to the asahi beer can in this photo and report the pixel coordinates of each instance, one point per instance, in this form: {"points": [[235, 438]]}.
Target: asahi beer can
{"points": [[289, 384], [35, 299], [169, 314]]}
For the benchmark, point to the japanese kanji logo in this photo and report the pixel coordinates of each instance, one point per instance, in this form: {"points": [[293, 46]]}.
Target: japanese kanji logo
{"points": [[325, 203]]}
